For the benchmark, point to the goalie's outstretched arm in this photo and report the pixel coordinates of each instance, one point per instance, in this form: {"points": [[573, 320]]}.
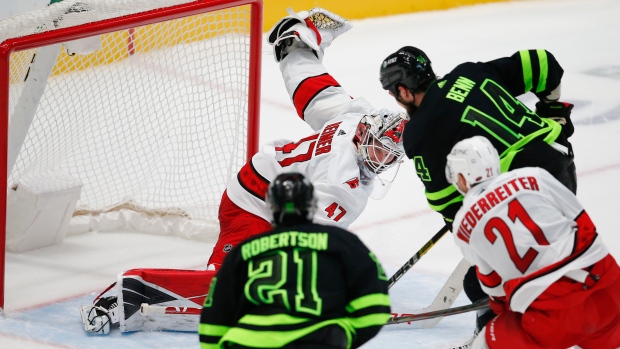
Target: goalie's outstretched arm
{"points": [[298, 44]]}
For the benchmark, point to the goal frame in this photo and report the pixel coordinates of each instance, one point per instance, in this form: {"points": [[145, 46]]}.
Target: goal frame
{"points": [[122, 23]]}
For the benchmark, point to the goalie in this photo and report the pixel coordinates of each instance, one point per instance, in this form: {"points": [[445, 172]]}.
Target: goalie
{"points": [[353, 154]]}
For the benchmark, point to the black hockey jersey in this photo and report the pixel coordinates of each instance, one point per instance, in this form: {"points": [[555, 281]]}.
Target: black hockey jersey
{"points": [[479, 99], [280, 286]]}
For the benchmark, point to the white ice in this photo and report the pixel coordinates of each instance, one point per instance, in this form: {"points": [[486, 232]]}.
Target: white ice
{"points": [[44, 287]]}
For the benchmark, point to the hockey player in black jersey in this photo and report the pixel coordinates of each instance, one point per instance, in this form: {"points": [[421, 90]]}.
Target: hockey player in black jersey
{"points": [[479, 99], [301, 285]]}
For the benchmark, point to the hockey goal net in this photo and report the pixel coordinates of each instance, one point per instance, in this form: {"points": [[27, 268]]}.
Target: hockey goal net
{"points": [[151, 104]]}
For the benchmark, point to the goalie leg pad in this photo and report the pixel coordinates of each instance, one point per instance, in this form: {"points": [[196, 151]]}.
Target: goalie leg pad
{"points": [[162, 287]]}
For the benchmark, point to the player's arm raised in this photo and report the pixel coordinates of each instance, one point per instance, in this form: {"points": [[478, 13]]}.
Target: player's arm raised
{"points": [[535, 71]]}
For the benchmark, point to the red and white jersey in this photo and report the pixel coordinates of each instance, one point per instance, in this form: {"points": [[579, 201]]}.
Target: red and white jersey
{"points": [[523, 230], [327, 157]]}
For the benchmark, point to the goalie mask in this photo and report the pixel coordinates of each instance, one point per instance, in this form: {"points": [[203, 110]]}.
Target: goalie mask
{"points": [[291, 199], [379, 141], [475, 159]]}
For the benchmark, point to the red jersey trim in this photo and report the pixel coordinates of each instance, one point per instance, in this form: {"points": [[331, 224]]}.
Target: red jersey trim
{"points": [[491, 280], [312, 27], [586, 232], [310, 88], [252, 181]]}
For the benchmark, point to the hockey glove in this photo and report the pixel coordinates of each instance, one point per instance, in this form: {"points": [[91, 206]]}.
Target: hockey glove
{"points": [[557, 111], [290, 34], [314, 29]]}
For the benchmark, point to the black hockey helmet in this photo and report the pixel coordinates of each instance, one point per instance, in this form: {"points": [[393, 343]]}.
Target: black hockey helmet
{"points": [[410, 67], [290, 197]]}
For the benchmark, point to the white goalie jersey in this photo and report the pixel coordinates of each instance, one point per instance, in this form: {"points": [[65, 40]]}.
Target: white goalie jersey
{"points": [[524, 230], [327, 157]]}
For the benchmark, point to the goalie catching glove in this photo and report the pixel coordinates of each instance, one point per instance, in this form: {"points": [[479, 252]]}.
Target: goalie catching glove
{"points": [[314, 29], [557, 111]]}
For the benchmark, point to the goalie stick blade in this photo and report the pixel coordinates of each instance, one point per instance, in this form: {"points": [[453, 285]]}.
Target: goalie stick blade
{"points": [[445, 298], [481, 304], [448, 293]]}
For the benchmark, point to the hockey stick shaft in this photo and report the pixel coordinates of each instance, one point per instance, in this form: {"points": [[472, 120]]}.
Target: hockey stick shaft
{"points": [[481, 304], [158, 310], [416, 257]]}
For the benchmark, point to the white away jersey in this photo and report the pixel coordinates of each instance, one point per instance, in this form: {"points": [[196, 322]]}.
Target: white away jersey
{"points": [[327, 157], [524, 230]]}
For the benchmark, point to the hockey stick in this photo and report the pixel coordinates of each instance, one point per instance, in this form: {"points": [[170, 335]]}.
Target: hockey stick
{"points": [[480, 304], [159, 310], [446, 296], [444, 299], [416, 257]]}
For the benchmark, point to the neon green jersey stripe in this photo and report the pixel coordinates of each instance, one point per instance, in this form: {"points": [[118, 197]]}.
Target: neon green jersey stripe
{"points": [[442, 194], [437, 195], [271, 320], [526, 64], [276, 339], [441, 207], [212, 330], [543, 62], [368, 301], [209, 346]]}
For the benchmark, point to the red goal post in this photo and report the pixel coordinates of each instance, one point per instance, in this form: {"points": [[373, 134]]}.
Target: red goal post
{"points": [[155, 120]]}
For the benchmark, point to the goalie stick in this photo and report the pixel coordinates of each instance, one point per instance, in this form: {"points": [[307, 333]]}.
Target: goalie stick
{"points": [[416, 257], [446, 296], [480, 304], [155, 310], [444, 299]]}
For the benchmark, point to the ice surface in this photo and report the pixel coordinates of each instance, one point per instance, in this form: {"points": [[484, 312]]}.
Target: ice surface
{"points": [[46, 286]]}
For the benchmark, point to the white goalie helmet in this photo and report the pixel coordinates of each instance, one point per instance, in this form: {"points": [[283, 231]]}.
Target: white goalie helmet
{"points": [[379, 140], [475, 158]]}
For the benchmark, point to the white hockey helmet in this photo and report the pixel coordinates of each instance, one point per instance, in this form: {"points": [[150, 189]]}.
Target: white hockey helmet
{"points": [[475, 158]]}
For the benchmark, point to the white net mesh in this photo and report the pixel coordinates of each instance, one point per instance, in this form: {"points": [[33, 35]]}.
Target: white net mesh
{"points": [[155, 120], [43, 20]]}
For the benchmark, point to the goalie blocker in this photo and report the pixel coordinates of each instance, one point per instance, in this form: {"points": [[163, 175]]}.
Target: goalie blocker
{"points": [[163, 288]]}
